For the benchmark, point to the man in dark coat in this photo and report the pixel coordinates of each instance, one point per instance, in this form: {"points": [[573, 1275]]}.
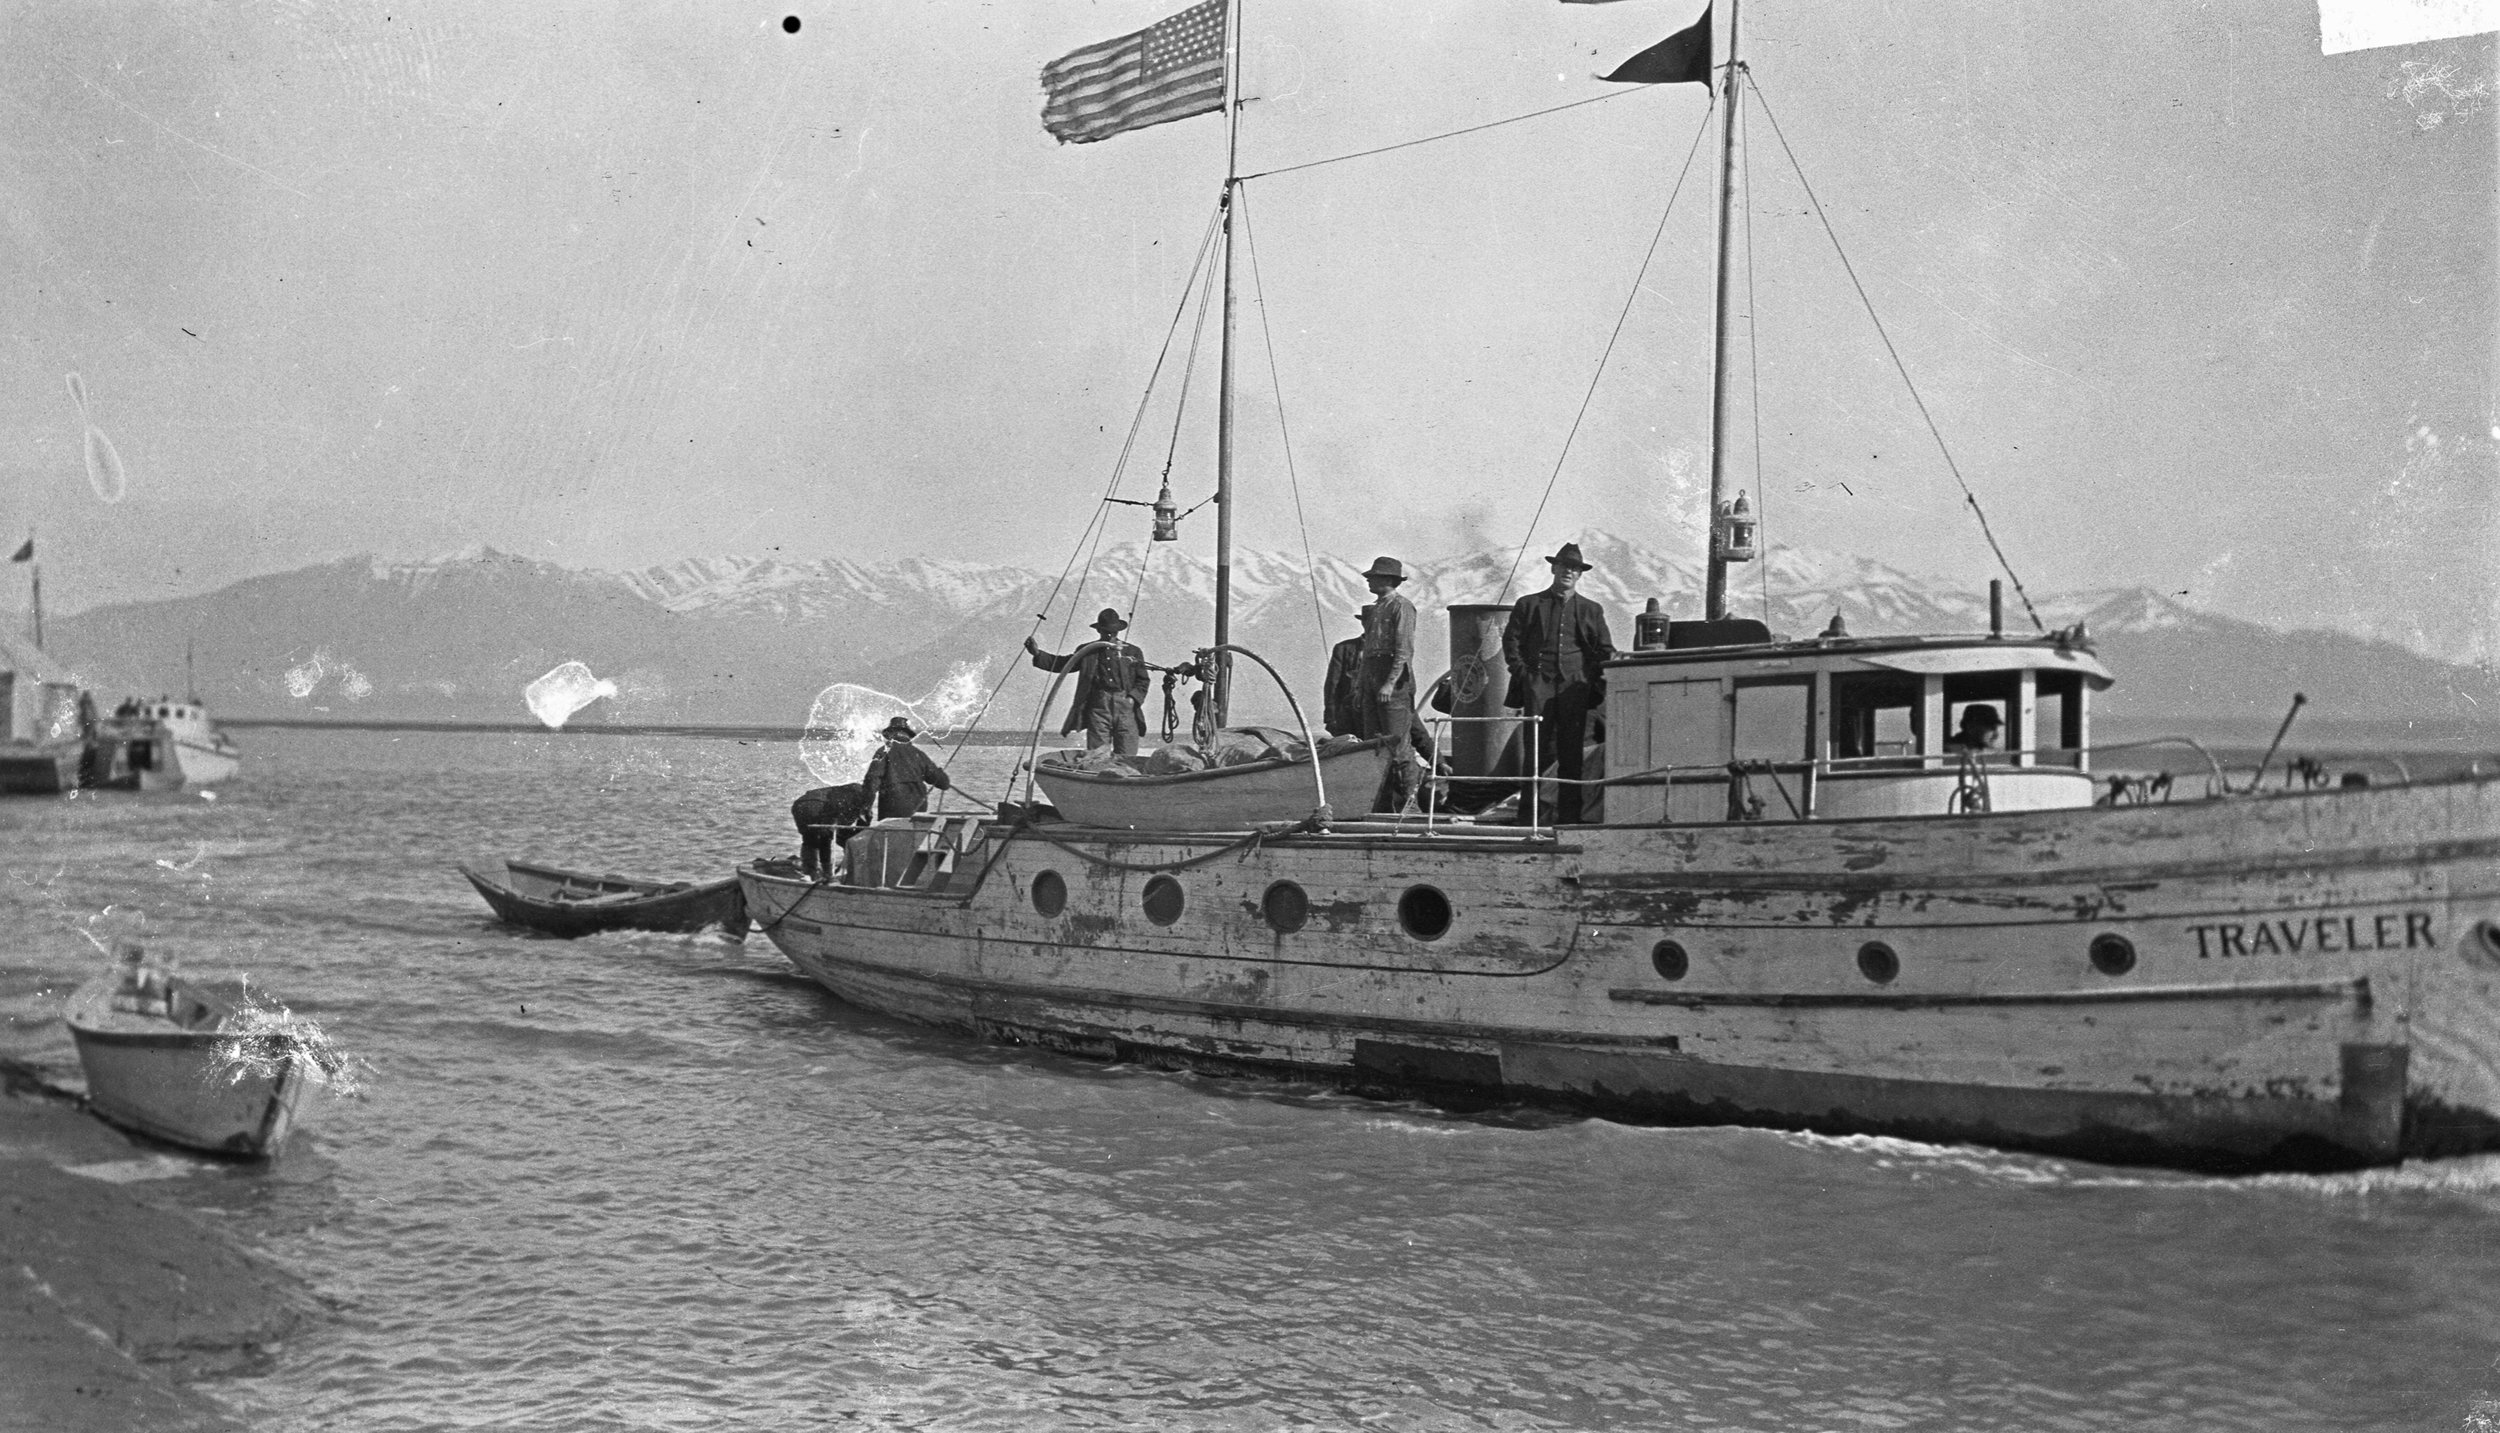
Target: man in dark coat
{"points": [[826, 815], [1387, 679], [1342, 704], [1111, 683], [901, 774], [1555, 645]]}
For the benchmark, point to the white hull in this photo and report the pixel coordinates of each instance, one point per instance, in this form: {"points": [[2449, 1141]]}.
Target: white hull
{"points": [[2311, 979], [167, 1081]]}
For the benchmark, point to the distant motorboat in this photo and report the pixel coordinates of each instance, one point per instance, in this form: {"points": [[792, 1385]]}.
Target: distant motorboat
{"points": [[167, 1069], [161, 745], [574, 903]]}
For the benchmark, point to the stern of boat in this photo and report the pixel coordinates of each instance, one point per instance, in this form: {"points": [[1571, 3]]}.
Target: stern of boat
{"points": [[2451, 1078]]}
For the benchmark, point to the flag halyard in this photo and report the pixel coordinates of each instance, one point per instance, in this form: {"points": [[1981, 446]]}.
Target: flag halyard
{"points": [[1170, 70]]}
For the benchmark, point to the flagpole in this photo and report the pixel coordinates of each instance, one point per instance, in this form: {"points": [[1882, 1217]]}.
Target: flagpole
{"points": [[1219, 699], [1715, 601]]}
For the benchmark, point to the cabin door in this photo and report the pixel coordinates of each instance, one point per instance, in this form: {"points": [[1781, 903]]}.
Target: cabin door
{"points": [[1688, 733]]}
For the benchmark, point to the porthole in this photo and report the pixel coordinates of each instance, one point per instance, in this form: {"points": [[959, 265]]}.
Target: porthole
{"points": [[2112, 953], [1877, 962], [2487, 934], [1286, 906], [1424, 912], [1050, 893], [1670, 960], [1164, 900]]}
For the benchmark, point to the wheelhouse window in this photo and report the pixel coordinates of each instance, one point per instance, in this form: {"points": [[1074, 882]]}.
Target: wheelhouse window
{"points": [[2061, 737], [2000, 692], [1876, 714]]}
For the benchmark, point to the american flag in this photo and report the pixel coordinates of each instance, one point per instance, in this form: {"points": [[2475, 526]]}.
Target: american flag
{"points": [[1170, 70]]}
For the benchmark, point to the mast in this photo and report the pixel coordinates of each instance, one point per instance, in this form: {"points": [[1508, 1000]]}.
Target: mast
{"points": [[1220, 692], [36, 572], [1715, 601]]}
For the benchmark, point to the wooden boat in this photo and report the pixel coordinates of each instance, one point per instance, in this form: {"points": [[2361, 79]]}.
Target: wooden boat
{"points": [[574, 903], [161, 745], [42, 736], [169, 1076], [1223, 798], [1803, 906]]}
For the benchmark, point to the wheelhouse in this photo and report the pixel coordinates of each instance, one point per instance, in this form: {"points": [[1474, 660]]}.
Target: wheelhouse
{"points": [[1842, 727]]}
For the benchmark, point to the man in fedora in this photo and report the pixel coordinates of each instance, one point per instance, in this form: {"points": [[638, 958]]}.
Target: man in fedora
{"points": [[1555, 645], [901, 773], [1111, 684], [1387, 678]]}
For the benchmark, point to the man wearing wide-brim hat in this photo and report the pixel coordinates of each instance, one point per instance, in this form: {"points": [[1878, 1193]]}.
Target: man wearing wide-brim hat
{"points": [[901, 773], [1387, 676], [1111, 685], [1556, 645]]}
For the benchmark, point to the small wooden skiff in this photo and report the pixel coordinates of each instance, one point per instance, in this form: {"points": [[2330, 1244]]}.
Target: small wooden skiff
{"points": [[170, 1076], [572, 903], [1223, 798]]}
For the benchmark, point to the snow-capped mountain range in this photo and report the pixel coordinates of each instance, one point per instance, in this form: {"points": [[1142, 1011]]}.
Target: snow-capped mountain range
{"points": [[752, 640]]}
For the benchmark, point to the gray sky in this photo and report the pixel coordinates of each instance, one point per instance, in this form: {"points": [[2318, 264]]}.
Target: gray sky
{"points": [[609, 285]]}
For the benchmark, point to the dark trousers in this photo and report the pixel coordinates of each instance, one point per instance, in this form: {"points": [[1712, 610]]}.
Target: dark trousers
{"points": [[1395, 719], [1112, 724], [1561, 710]]}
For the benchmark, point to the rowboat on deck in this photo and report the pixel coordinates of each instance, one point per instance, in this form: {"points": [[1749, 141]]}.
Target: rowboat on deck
{"points": [[574, 903], [170, 1070], [1222, 798]]}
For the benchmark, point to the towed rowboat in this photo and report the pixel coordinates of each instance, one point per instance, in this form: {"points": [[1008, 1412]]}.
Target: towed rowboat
{"points": [[572, 903], [174, 1075]]}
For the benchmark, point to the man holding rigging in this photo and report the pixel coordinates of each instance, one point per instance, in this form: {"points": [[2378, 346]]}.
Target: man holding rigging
{"points": [[1556, 645], [1111, 685]]}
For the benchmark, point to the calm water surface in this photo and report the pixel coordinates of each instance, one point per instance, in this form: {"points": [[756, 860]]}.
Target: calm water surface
{"points": [[646, 1181]]}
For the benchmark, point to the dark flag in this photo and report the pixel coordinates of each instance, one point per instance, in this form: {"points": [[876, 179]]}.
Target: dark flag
{"points": [[1682, 58], [25, 552], [1170, 70]]}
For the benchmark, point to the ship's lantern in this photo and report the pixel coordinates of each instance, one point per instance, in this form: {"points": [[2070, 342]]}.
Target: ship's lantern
{"points": [[1736, 530], [1167, 517]]}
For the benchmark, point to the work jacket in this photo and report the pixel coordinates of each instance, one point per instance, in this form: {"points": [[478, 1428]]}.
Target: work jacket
{"points": [[1342, 704], [901, 775], [1552, 642], [1102, 674]]}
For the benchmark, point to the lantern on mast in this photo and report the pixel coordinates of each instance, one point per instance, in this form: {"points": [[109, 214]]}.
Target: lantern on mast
{"points": [[1736, 530]]}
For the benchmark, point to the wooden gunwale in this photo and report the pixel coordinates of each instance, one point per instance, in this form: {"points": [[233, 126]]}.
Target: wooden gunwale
{"points": [[2358, 987], [2371, 858]]}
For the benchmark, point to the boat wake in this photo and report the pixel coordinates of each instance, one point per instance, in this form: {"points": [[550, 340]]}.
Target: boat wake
{"points": [[2472, 1175]]}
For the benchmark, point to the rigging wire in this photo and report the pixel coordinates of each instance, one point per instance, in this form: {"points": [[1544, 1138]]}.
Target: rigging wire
{"points": [[1258, 290], [1659, 233], [1102, 508], [1753, 371], [1851, 270], [1447, 134]]}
